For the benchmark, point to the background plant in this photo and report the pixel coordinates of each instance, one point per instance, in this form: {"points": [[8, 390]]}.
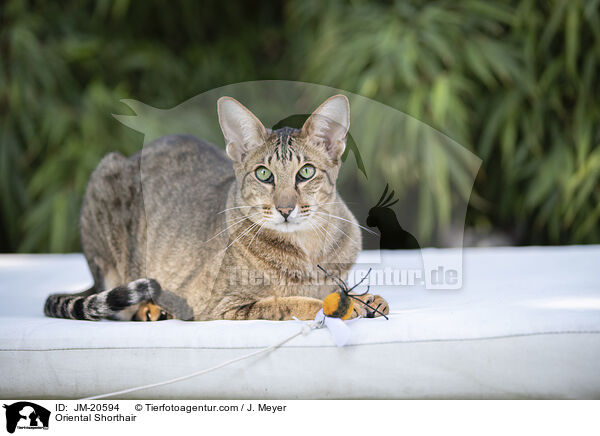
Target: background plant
{"points": [[515, 82]]}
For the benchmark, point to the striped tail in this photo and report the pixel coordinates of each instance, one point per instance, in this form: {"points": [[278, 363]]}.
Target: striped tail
{"points": [[93, 306]]}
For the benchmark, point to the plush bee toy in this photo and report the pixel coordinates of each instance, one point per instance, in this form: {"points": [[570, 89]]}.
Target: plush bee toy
{"points": [[340, 304]]}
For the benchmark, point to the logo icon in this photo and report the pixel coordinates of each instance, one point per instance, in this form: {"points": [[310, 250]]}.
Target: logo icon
{"points": [[26, 415], [392, 235]]}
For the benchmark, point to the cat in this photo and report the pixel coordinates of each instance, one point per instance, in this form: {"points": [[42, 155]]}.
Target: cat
{"points": [[184, 230]]}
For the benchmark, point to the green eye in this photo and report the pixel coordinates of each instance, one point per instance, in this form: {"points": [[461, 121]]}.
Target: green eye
{"points": [[264, 175], [306, 172]]}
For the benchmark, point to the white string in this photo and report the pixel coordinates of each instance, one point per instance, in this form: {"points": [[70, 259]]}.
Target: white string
{"points": [[306, 328]]}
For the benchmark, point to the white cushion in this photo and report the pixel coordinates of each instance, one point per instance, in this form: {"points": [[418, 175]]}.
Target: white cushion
{"points": [[526, 324]]}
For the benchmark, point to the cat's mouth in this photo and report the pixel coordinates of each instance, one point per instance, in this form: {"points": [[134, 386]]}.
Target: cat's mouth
{"points": [[287, 222]]}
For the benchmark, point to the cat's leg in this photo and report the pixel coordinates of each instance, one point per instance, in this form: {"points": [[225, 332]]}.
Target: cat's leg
{"points": [[120, 303], [378, 306], [277, 309]]}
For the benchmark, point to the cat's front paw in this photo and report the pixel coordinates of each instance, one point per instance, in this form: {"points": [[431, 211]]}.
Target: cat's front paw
{"points": [[150, 312], [378, 306]]}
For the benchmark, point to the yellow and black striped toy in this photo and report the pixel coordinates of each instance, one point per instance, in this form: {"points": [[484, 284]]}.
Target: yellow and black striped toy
{"points": [[340, 304]]}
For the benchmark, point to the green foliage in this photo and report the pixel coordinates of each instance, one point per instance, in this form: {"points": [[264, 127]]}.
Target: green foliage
{"points": [[515, 82], [64, 66]]}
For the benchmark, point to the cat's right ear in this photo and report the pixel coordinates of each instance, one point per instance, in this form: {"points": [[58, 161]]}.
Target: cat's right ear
{"points": [[242, 130]]}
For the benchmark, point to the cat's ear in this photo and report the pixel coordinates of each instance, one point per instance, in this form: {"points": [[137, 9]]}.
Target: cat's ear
{"points": [[242, 130], [329, 124]]}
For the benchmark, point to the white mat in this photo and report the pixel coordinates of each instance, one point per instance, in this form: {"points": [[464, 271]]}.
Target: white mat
{"points": [[526, 324]]}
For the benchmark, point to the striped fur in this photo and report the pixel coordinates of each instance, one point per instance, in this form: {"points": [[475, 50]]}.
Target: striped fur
{"points": [[284, 143], [119, 303], [210, 232]]}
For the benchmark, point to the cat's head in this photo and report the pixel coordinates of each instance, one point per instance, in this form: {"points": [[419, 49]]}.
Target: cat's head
{"points": [[285, 176]]}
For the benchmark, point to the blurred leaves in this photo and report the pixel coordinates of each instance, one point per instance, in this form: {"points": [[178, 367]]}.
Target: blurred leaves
{"points": [[64, 67], [516, 82]]}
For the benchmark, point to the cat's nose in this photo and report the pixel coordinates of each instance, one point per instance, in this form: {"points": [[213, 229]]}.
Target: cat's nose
{"points": [[285, 211]]}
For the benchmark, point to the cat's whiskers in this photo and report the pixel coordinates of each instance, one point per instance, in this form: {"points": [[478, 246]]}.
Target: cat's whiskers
{"points": [[327, 235], [348, 221], [241, 235], [231, 208], [332, 224], [317, 231], [230, 226], [324, 204], [310, 209], [263, 222], [245, 216], [330, 236]]}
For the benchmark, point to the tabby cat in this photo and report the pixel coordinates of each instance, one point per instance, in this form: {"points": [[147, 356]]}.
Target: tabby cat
{"points": [[184, 230]]}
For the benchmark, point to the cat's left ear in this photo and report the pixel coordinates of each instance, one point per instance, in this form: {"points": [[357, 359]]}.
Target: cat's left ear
{"points": [[242, 130], [329, 124]]}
